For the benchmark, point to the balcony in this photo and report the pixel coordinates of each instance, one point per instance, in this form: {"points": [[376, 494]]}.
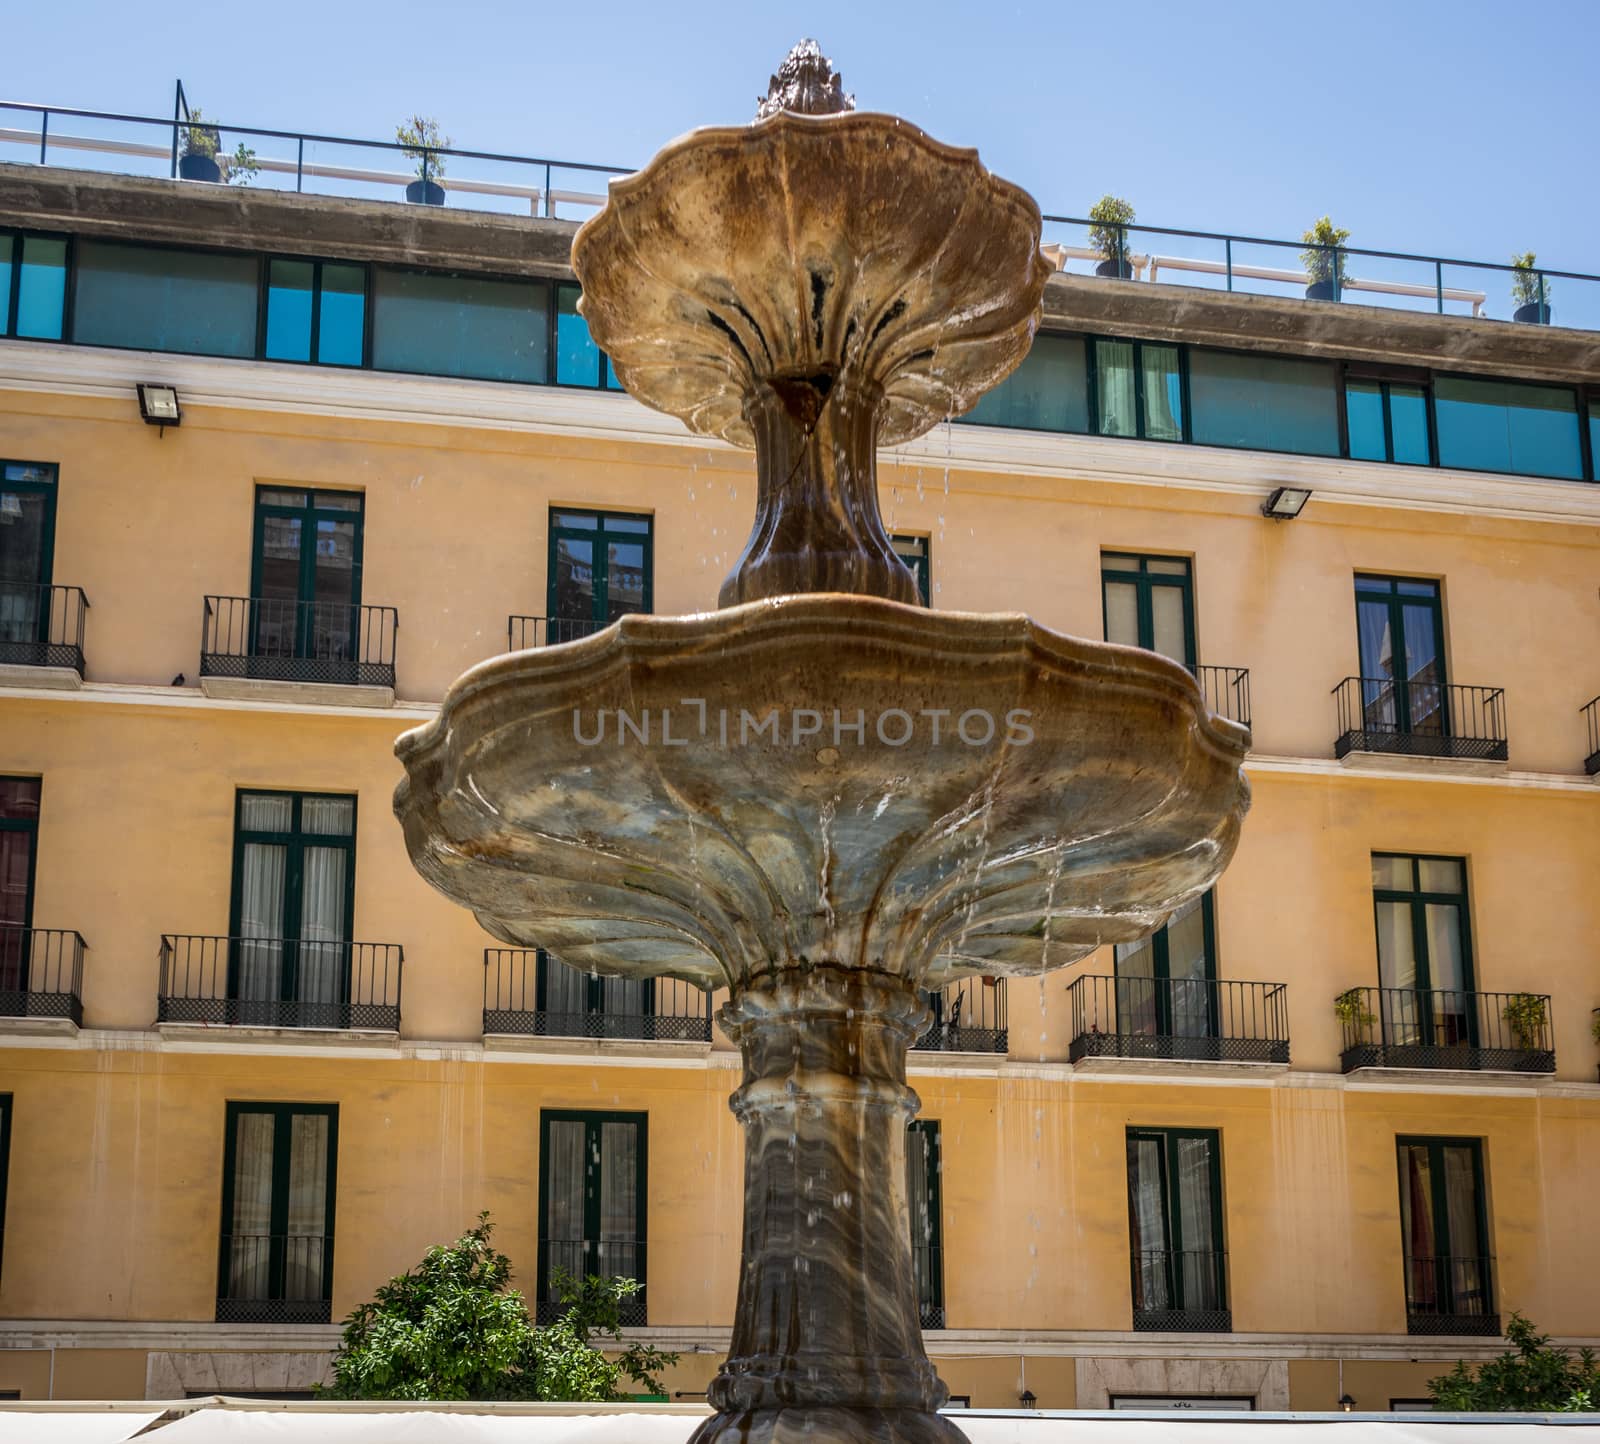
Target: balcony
{"points": [[1182, 1020], [1227, 691], [1181, 1292], [41, 634], [604, 1258], [968, 1017], [525, 632], [1420, 719], [1450, 1296], [242, 982], [298, 651], [1445, 1028], [41, 973], [1591, 720], [276, 1279], [530, 994]]}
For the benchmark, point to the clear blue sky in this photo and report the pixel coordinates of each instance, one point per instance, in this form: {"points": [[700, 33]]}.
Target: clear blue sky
{"points": [[1455, 127]]}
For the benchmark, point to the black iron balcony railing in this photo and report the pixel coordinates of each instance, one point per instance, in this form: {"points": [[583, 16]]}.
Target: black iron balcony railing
{"points": [[42, 626], [1182, 1019], [1450, 1296], [525, 632], [272, 640], [527, 991], [279, 982], [968, 1017], [1591, 721], [1420, 719], [275, 1279], [604, 1258], [1184, 1291], [1446, 1028], [1227, 691], [927, 1270], [41, 973]]}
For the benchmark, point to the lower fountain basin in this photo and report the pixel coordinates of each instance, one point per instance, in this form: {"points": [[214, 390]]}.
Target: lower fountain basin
{"points": [[823, 777]]}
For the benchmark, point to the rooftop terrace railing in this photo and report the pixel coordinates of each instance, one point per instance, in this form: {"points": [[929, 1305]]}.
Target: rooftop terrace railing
{"points": [[536, 185]]}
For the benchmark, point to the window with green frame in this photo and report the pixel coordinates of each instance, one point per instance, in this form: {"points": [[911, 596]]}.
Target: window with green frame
{"points": [[275, 1258], [914, 552], [1138, 389], [1261, 402], [1149, 602], [19, 842], [442, 323], [294, 888], [579, 362], [1444, 1232], [1424, 939], [923, 1165], [601, 567], [316, 311], [1400, 644], [1049, 391], [33, 285], [1166, 981], [27, 556], [305, 574], [5, 1167], [1509, 426], [592, 1174], [1179, 1265], [1387, 420]]}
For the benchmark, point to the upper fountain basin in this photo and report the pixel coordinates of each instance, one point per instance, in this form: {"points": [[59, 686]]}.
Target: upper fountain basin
{"points": [[824, 779], [850, 247]]}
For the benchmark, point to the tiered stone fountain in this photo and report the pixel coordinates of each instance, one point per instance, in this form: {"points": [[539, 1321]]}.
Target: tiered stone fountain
{"points": [[821, 797]]}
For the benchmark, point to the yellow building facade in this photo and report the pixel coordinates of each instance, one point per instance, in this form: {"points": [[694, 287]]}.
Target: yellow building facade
{"points": [[1321, 1136]]}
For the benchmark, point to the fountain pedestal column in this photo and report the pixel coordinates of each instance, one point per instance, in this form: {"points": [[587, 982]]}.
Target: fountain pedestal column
{"points": [[826, 1339]]}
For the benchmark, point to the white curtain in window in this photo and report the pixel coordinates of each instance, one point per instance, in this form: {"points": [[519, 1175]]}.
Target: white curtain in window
{"points": [[323, 953], [564, 1186], [1114, 393], [619, 1203], [1201, 1265], [1136, 987], [261, 897], [1187, 966], [249, 1242], [1163, 398], [565, 989], [1149, 1232], [307, 1222]]}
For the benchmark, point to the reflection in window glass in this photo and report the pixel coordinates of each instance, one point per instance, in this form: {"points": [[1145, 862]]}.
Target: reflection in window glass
{"points": [[1048, 392], [1363, 405], [41, 299], [342, 314], [1408, 425], [443, 325], [577, 357], [1264, 403], [1387, 421], [1507, 426], [289, 291], [195, 302]]}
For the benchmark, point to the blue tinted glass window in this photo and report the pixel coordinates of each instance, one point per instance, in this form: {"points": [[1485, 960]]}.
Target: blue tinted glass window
{"points": [[1594, 439], [1265, 403], [1163, 392], [1048, 392], [1502, 426], [1363, 405], [612, 383], [577, 357], [289, 289], [7, 244], [159, 300], [342, 316], [43, 293], [1408, 424], [445, 325]]}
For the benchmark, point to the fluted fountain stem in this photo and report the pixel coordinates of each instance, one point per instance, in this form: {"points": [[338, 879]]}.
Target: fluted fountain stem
{"points": [[826, 1341]]}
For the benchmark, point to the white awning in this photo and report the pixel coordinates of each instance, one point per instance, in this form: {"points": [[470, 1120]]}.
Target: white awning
{"points": [[60, 1426]]}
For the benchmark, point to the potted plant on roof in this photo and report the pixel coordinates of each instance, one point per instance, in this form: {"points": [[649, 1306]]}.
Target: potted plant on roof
{"points": [[197, 159], [1529, 290], [422, 141], [1324, 260], [1108, 235]]}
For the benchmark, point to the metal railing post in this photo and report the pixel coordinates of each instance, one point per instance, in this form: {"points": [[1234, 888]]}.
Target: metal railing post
{"points": [[299, 164], [1438, 284], [1227, 246]]}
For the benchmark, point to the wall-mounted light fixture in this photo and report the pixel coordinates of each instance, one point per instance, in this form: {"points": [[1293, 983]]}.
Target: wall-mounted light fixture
{"points": [[1027, 1400], [158, 404], [1347, 1403], [1286, 503]]}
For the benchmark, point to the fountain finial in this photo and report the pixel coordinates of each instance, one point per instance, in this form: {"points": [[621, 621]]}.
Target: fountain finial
{"points": [[807, 83]]}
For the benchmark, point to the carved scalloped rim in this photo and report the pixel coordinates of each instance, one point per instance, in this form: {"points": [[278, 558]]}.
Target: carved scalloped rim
{"points": [[905, 414], [645, 642]]}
